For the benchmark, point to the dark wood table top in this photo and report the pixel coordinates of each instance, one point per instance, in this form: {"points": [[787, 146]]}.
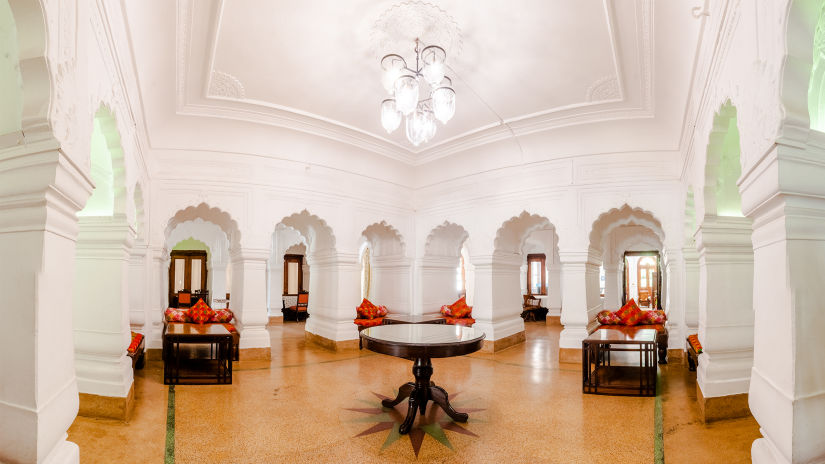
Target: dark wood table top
{"points": [[413, 341], [608, 335], [186, 328], [414, 318]]}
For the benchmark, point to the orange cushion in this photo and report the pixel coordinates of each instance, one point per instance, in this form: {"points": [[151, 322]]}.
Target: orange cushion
{"points": [[136, 339], [369, 322], [630, 313], [222, 315], [694, 342], [465, 321], [367, 310], [200, 312], [184, 298], [460, 308]]}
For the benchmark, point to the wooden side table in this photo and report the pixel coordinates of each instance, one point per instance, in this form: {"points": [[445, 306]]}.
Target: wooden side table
{"points": [[432, 318], [196, 354], [602, 377]]}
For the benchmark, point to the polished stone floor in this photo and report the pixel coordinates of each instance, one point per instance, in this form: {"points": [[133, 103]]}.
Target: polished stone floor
{"points": [[312, 405]]}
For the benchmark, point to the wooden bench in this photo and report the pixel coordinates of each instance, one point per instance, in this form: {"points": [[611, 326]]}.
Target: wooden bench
{"points": [[694, 349], [136, 350]]}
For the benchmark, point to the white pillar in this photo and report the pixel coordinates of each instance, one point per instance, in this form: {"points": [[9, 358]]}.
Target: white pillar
{"points": [[158, 289], [497, 302], [522, 278], [785, 197], [581, 300], [725, 315], [554, 288], [673, 303], [690, 294], [612, 298], [334, 293], [390, 283], [218, 277], [101, 317], [438, 282], [138, 287], [40, 193], [249, 302]]}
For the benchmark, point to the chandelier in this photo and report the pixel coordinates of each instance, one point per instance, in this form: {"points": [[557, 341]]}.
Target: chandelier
{"points": [[405, 86]]}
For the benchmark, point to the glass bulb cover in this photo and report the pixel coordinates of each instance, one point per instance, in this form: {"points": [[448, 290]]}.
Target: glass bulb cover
{"points": [[390, 117], [443, 103], [393, 67], [433, 73], [388, 79], [406, 94]]}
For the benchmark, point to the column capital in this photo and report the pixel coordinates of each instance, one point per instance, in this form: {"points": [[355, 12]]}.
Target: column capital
{"points": [[249, 254], [589, 256]]}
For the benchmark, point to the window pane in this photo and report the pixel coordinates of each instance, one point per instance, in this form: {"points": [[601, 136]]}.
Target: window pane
{"points": [[180, 268], [196, 275], [292, 278]]}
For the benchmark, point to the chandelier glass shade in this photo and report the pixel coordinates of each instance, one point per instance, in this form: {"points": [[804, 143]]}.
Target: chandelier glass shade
{"points": [[405, 86]]}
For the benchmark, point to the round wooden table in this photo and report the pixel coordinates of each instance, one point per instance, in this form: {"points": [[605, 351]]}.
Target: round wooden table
{"points": [[419, 343]]}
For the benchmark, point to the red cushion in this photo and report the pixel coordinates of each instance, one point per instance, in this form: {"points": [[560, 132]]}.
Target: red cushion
{"points": [[200, 312], [460, 308], [231, 328], [446, 311], [630, 314], [222, 315], [608, 318], [184, 298], [465, 321], [653, 317], [694, 342], [136, 339], [176, 315], [369, 322]]}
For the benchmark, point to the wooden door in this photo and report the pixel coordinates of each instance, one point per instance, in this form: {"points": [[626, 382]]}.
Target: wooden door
{"points": [[187, 272]]}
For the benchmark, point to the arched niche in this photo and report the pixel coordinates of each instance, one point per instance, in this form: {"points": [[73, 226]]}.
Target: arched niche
{"points": [[723, 166], [107, 168], [11, 81], [317, 233], [207, 214], [442, 282], [389, 273]]}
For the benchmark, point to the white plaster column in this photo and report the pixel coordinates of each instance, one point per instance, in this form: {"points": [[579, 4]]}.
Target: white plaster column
{"points": [[305, 270], [334, 293], [158, 290], [101, 316], [785, 197], [612, 298], [276, 286], [41, 190], [497, 302], [673, 303], [554, 288], [438, 282], [725, 312], [249, 301], [390, 283], [218, 278], [522, 278], [581, 300], [690, 293], [139, 262]]}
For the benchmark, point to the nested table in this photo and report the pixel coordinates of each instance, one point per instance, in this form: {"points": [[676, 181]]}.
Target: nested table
{"points": [[601, 376], [433, 318], [197, 354], [419, 343]]}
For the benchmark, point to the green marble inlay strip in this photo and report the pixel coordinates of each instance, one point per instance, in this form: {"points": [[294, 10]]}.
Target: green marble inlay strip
{"points": [[170, 427], [658, 434]]}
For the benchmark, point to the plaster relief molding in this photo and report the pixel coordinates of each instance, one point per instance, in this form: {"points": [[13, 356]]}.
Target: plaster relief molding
{"points": [[183, 32], [606, 88], [225, 85]]}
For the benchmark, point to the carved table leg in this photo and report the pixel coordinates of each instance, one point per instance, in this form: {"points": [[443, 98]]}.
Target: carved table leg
{"points": [[404, 392], [439, 397]]}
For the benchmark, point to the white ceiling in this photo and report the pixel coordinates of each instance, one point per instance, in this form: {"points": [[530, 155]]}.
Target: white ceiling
{"points": [[311, 67]]}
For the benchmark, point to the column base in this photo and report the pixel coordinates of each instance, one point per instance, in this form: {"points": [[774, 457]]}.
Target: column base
{"points": [[763, 452], [570, 355], [255, 354], [65, 452], [275, 320], [722, 407], [492, 346], [107, 407], [332, 345]]}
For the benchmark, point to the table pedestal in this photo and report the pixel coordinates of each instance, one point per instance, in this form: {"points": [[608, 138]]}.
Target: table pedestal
{"points": [[420, 392]]}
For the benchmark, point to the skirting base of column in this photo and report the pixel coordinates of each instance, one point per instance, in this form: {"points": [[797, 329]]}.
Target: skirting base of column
{"points": [[275, 320], [492, 346], [763, 452], [65, 452], [332, 345], [570, 355], [255, 354], [107, 407], [553, 320], [722, 407]]}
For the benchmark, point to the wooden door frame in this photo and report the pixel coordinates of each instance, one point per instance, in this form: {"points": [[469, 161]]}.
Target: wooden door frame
{"points": [[537, 257], [291, 259], [657, 289], [187, 256]]}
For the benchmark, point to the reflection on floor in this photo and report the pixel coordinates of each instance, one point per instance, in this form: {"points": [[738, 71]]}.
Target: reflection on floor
{"points": [[312, 405]]}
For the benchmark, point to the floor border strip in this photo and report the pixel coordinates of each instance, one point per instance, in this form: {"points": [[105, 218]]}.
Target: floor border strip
{"points": [[658, 432], [169, 457]]}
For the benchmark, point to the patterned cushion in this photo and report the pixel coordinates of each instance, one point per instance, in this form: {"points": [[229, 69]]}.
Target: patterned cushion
{"points": [[653, 317], [630, 314], [231, 328], [369, 322], [136, 339], [446, 311], [608, 318], [382, 311], [465, 321], [222, 315], [200, 312], [460, 308], [366, 310], [694, 342], [176, 315]]}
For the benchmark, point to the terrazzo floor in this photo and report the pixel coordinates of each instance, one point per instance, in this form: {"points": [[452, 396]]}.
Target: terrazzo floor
{"points": [[312, 405]]}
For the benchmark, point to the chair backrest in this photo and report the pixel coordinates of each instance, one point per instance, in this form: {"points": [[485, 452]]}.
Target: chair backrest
{"points": [[303, 300], [184, 298]]}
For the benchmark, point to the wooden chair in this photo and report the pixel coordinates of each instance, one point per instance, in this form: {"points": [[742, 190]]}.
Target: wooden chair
{"points": [[184, 299], [301, 306], [529, 307]]}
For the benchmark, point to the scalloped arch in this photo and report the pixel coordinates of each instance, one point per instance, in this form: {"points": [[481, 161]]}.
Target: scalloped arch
{"points": [[385, 239], [446, 239], [208, 214], [722, 169], [624, 215], [316, 231], [510, 236]]}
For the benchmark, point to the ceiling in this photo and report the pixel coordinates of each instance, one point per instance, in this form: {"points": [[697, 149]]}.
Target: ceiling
{"points": [[313, 67]]}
